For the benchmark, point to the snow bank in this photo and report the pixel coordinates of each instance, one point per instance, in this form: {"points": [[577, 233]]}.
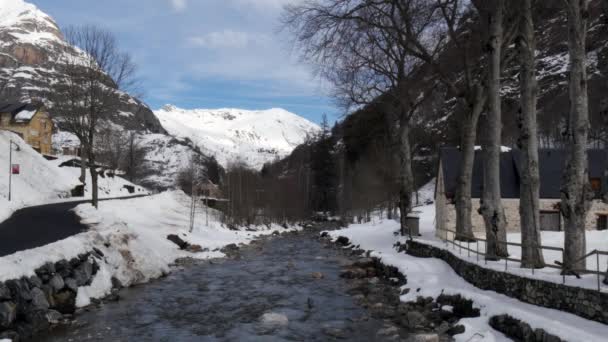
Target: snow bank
{"points": [[39, 181], [433, 277], [132, 235]]}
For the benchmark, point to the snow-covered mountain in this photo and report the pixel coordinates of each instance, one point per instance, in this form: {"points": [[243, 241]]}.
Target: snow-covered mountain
{"points": [[30, 45], [253, 137]]}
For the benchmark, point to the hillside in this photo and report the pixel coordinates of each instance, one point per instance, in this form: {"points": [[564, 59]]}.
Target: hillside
{"points": [[365, 158], [253, 137], [30, 43]]}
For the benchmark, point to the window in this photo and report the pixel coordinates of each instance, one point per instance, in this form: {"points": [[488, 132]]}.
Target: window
{"points": [[596, 186]]}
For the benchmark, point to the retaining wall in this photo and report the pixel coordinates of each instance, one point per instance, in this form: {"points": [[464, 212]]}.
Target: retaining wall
{"points": [[31, 304], [586, 303]]}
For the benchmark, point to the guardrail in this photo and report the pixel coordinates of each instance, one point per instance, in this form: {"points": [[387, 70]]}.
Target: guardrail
{"points": [[461, 246]]}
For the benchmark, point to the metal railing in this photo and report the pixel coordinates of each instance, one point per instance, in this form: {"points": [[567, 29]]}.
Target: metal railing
{"points": [[597, 271], [461, 246]]}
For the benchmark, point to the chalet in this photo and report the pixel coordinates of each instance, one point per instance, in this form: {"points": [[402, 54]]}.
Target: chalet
{"points": [[551, 162], [31, 122]]}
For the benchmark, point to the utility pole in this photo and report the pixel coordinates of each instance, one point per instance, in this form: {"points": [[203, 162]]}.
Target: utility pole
{"points": [[10, 167], [192, 208], [207, 208]]}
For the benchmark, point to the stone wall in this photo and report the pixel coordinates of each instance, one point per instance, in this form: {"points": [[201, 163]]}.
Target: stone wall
{"points": [[31, 304], [586, 303], [512, 212]]}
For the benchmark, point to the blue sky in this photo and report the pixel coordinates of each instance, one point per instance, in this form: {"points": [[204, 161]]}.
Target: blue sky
{"points": [[205, 53]]}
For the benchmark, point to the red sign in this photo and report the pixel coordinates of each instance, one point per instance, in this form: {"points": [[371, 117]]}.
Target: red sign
{"points": [[15, 169]]}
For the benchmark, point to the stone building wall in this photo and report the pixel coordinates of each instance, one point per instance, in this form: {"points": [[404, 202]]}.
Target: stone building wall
{"points": [[512, 212], [586, 303]]}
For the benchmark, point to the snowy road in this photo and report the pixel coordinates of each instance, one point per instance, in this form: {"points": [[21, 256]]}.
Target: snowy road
{"points": [[267, 294], [38, 226]]}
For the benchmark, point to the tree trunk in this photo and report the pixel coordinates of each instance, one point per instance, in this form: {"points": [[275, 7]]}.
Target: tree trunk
{"points": [[529, 207], [491, 206], [576, 193], [464, 225], [83, 165], [405, 173], [94, 177]]}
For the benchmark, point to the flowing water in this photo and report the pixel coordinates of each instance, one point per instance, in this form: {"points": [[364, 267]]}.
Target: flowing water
{"points": [[268, 293]]}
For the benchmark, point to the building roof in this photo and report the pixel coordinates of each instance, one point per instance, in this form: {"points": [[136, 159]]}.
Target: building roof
{"points": [[551, 164], [21, 112]]}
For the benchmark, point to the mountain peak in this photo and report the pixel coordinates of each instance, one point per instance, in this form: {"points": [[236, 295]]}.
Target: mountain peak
{"points": [[252, 136]]}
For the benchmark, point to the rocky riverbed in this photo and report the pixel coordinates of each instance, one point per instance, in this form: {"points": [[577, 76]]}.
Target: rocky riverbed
{"points": [[288, 288], [298, 286]]}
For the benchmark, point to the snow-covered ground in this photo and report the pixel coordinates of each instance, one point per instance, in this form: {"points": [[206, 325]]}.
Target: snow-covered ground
{"points": [[109, 187], [41, 181], [38, 182], [596, 240], [254, 137], [132, 234], [433, 277]]}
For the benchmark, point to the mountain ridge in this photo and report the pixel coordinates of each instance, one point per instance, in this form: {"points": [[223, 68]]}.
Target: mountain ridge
{"points": [[232, 134]]}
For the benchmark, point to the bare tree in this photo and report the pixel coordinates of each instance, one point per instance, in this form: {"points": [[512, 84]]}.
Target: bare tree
{"points": [[87, 88], [491, 201], [576, 194], [360, 48], [134, 159], [529, 206]]}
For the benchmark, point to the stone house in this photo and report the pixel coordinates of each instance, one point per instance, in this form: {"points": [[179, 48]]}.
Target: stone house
{"points": [[31, 122], [551, 166]]}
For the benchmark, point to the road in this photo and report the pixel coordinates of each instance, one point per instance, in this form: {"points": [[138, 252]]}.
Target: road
{"points": [[38, 226]]}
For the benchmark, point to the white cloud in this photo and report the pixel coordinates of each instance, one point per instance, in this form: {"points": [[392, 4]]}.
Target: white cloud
{"points": [[228, 39], [264, 5], [178, 5]]}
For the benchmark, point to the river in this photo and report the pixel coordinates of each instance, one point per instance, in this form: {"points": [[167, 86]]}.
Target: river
{"points": [[286, 288]]}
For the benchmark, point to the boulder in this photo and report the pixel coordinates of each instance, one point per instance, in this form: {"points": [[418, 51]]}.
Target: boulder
{"points": [[343, 241], [53, 317], [195, 249], [83, 273], [71, 284], [5, 292], [46, 271], [423, 338], [34, 281], [49, 291], [56, 283], [19, 290], [65, 302], [116, 283], [178, 241], [39, 300], [462, 307], [63, 268], [36, 322], [455, 330], [414, 320], [8, 314]]}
